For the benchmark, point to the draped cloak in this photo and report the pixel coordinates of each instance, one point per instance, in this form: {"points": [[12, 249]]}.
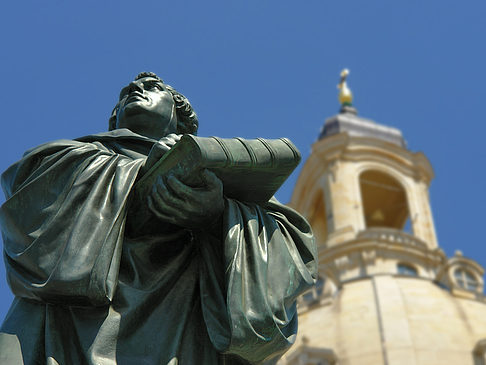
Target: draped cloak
{"points": [[87, 292]]}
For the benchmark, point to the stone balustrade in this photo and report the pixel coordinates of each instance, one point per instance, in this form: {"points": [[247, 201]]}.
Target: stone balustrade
{"points": [[391, 235]]}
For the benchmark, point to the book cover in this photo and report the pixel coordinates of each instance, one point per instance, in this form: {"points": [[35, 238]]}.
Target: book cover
{"points": [[251, 170]]}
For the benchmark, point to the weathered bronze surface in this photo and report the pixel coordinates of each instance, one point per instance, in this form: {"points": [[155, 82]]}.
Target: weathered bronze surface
{"points": [[206, 280]]}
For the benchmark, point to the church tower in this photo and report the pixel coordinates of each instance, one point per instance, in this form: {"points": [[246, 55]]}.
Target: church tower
{"points": [[387, 294]]}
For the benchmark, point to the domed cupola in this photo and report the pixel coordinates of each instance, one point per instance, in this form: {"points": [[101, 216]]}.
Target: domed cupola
{"points": [[386, 294], [366, 197]]}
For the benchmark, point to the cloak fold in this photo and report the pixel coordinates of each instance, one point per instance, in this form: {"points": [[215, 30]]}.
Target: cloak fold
{"points": [[65, 246], [267, 263]]}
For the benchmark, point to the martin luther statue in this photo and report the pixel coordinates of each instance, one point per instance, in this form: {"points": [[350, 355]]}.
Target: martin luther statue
{"points": [[207, 280]]}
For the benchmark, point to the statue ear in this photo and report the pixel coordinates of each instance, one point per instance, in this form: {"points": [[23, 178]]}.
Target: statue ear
{"points": [[112, 120], [112, 123]]}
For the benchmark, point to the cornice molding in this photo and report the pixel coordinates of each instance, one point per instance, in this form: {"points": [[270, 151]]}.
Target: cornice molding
{"points": [[343, 147]]}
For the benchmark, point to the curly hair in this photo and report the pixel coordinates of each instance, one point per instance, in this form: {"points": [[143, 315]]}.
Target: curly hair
{"points": [[187, 122]]}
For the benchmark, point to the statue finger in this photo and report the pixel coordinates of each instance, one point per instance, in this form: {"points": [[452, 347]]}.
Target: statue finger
{"points": [[157, 213], [162, 209], [156, 201], [162, 193], [174, 137], [180, 217], [170, 140], [163, 146], [211, 180], [180, 189]]}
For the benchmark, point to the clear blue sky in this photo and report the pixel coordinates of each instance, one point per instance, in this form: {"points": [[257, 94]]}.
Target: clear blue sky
{"points": [[262, 68]]}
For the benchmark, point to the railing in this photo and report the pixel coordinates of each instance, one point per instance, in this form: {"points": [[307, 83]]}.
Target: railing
{"points": [[391, 235]]}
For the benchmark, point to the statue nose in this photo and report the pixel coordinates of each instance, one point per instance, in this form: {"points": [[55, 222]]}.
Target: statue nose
{"points": [[135, 86]]}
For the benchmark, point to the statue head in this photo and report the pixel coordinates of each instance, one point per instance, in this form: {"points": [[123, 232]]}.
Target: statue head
{"points": [[151, 108]]}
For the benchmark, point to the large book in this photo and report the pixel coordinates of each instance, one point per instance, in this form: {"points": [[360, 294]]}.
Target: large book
{"points": [[251, 170]]}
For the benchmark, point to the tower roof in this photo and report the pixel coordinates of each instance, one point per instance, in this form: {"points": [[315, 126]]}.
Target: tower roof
{"points": [[348, 121]]}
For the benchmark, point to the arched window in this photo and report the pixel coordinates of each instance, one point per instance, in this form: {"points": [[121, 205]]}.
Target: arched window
{"points": [[465, 279], [479, 352], [384, 200], [318, 218], [404, 269], [313, 295]]}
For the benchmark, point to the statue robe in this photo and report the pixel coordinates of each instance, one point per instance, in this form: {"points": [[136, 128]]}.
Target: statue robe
{"points": [[89, 292]]}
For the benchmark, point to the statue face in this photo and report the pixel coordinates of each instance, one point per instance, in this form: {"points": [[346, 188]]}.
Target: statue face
{"points": [[146, 107]]}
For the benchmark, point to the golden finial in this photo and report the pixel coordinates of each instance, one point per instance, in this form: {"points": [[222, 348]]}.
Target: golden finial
{"points": [[345, 95]]}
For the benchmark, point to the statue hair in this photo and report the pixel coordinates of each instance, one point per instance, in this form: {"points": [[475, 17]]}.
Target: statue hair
{"points": [[187, 122]]}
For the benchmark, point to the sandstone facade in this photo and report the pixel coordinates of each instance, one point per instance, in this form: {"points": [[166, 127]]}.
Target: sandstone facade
{"points": [[387, 294]]}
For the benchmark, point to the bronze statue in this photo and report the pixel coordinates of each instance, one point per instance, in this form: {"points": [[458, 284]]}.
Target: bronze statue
{"points": [[207, 279]]}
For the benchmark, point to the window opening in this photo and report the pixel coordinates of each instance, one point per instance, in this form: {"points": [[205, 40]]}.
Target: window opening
{"points": [[479, 352], [318, 218], [408, 270], [465, 279], [407, 227], [384, 201]]}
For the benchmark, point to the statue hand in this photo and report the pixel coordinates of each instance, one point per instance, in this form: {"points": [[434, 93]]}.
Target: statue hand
{"points": [[165, 143], [159, 149], [175, 202]]}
